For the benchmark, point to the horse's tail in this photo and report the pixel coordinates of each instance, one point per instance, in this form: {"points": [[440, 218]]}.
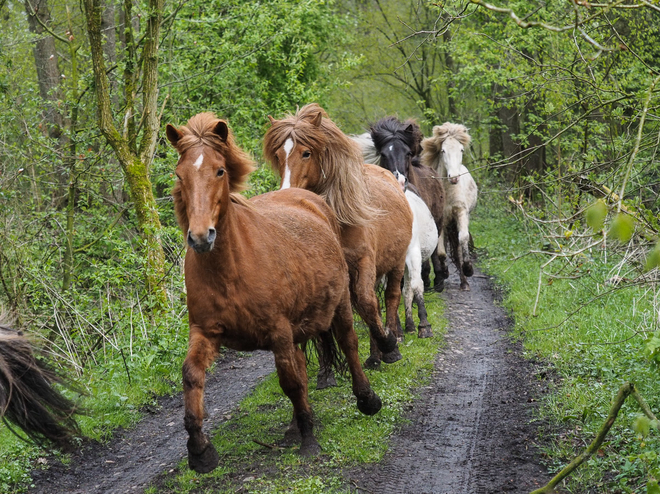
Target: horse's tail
{"points": [[28, 398], [328, 354]]}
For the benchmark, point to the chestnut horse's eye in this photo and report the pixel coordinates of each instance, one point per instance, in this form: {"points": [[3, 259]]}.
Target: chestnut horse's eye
{"points": [[306, 154], [221, 172]]}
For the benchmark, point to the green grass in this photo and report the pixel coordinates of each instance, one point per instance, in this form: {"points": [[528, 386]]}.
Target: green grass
{"points": [[347, 437], [591, 351]]}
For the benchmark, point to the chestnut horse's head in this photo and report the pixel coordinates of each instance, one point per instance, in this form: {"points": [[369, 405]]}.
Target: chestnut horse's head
{"points": [[308, 150], [211, 168], [444, 151], [397, 144]]}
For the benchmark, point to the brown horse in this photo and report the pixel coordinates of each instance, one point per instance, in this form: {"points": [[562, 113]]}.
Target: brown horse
{"points": [[309, 151], [396, 146], [267, 273], [28, 397]]}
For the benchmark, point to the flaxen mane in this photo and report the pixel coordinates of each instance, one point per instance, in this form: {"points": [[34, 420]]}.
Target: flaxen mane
{"points": [[343, 183], [432, 146], [199, 131]]}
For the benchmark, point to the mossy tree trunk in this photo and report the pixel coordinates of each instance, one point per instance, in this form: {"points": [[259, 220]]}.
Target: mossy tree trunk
{"points": [[134, 158]]}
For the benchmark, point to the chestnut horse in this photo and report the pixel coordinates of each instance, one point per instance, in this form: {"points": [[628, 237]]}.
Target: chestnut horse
{"points": [[28, 398], [396, 146], [267, 273], [309, 151], [443, 152]]}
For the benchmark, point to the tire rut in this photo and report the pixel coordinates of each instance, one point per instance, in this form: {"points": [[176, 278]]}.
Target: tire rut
{"points": [[471, 430], [135, 457]]}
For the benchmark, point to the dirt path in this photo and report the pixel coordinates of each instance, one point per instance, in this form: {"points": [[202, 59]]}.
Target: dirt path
{"points": [[135, 457], [470, 430]]}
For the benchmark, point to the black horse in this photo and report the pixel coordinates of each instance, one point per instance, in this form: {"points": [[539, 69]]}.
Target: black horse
{"points": [[398, 146], [28, 398]]}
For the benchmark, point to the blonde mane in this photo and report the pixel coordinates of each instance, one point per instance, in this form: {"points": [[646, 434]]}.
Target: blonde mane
{"points": [[199, 131], [432, 146], [343, 182]]}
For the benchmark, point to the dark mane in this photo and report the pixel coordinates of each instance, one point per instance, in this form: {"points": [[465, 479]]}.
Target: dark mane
{"points": [[389, 128]]}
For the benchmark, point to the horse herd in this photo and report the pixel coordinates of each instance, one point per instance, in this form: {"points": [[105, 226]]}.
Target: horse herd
{"points": [[288, 267]]}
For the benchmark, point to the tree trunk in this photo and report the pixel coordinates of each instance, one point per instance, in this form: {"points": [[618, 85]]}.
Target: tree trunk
{"points": [[46, 62], [135, 166]]}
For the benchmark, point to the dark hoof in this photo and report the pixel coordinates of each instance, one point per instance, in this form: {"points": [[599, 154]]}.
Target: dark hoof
{"points": [[444, 272], [309, 448], [465, 287], [371, 404], [325, 380], [439, 286], [372, 363], [468, 270], [425, 331], [393, 356], [387, 344], [410, 327], [204, 462]]}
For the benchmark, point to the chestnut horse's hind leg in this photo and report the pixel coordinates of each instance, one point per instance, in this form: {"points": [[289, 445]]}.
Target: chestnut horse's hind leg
{"points": [[202, 456], [368, 401], [292, 372], [392, 299], [383, 339]]}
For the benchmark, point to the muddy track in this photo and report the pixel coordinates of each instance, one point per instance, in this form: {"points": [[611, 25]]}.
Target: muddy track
{"points": [[471, 430], [131, 461]]}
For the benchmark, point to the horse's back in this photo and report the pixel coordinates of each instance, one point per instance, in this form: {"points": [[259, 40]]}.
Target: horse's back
{"points": [[425, 233]]}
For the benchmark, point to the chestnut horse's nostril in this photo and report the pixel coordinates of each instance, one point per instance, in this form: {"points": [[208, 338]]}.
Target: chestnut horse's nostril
{"points": [[190, 239], [211, 236]]}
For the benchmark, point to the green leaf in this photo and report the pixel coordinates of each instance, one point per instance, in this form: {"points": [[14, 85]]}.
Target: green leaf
{"points": [[622, 227], [642, 425], [653, 259], [596, 214], [652, 487]]}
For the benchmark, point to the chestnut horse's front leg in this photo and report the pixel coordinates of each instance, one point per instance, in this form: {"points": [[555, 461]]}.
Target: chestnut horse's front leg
{"points": [[202, 456], [292, 373]]}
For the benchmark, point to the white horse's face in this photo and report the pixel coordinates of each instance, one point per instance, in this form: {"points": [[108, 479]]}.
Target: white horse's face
{"points": [[452, 157]]}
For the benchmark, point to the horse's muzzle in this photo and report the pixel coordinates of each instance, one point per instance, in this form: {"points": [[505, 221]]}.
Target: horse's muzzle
{"points": [[202, 243], [453, 180]]}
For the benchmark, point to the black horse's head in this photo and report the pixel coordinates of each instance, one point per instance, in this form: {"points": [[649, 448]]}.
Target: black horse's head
{"points": [[398, 144]]}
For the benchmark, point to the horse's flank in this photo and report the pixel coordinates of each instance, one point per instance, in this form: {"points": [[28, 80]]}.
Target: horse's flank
{"points": [[343, 184]]}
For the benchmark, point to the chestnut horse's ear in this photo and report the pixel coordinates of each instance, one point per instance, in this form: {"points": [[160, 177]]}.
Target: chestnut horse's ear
{"points": [[316, 121], [272, 120], [221, 130], [173, 135]]}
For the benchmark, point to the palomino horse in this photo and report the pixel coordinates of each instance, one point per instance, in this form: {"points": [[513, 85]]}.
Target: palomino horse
{"points": [[28, 398], [309, 151], [395, 146], [268, 273], [444, 153]]}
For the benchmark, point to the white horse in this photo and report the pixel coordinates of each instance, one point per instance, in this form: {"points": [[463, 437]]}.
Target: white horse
{"points": [[444, 153], [423, 243]]}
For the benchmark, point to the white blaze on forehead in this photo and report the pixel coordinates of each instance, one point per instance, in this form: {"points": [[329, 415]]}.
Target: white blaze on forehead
{"points": [[199, 161], [288, 146], [391, 147]]}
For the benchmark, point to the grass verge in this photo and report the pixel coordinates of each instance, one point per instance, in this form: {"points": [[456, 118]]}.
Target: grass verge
{"points": [[587, 331]]}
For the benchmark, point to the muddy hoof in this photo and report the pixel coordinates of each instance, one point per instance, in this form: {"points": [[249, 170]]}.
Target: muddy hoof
{"points": [[465, 287], [393, 356], [425, 331], [309, 448], [371, 404], [467, 269], [387, 344], [410, 326], [204, 462], [325, 380], [439, 285], [372, 363]]}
